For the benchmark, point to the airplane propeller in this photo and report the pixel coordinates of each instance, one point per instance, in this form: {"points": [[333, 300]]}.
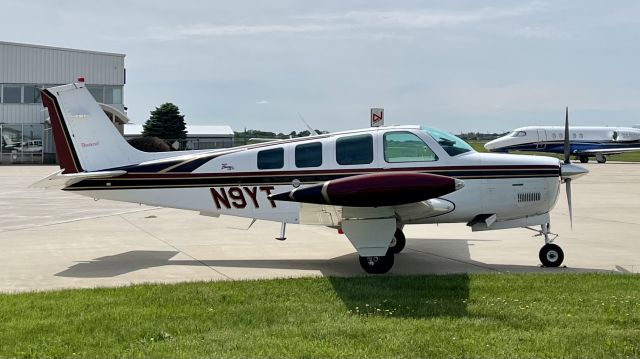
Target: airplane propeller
{"points": [[569, 171], [567, 160]]}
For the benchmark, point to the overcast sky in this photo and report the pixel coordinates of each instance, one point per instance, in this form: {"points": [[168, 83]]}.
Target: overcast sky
{"points": [[457, 65]]}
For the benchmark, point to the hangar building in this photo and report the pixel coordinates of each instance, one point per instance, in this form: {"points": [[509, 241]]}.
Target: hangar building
{"points": [[25, 136]]}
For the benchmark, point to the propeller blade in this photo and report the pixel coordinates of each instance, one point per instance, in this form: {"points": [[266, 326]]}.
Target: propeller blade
{"points": [[567, 147], [568, 182]]}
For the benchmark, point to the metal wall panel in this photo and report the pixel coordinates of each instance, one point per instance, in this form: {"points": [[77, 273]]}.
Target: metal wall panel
{"points": [[21, 113], [29, 64]]}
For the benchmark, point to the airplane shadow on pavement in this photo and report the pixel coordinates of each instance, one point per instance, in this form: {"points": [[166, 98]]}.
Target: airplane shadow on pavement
{"points": [[400, 294], [431, 256]]}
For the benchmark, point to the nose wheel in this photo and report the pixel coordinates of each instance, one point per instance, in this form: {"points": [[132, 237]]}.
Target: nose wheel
{"points": [[551, 255]]}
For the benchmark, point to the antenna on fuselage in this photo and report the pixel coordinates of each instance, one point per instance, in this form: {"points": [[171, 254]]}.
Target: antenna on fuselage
{"points": [[311, 130]]}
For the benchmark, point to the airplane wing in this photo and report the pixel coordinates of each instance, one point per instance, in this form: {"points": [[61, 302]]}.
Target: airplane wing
{"points": [[367, 206], [59, 180], [608, 151], [332, 216]]}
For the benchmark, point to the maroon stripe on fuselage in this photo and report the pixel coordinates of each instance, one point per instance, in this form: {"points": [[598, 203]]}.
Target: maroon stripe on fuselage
{"points": [[67, 157], [134, 175]]}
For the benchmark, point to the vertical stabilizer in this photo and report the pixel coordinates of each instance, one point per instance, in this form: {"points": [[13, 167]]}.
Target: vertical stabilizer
{"points": [[85, 138]]}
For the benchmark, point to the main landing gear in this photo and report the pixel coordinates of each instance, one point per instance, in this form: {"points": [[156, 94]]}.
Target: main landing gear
{"points": [[383, 264], [551, 255]]}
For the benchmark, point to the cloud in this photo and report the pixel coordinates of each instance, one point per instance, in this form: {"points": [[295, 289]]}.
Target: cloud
{"points": [[262, 102], [422, 19], [352, 20]]}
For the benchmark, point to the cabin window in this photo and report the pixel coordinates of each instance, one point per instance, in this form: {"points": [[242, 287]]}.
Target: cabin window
{"points": [[574, 135], [271, 159], [581, 136], [354, 150], [553, 135], [309, 155], [406, 147]]}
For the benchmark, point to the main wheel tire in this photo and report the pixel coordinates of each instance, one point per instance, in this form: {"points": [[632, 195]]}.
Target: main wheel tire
{"points": [[377, 265], [398, 242], [602, 160], [584, 159], [551, 255]]}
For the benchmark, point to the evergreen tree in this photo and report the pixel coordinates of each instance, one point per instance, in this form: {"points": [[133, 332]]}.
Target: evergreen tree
{"points": [[166, 122]]}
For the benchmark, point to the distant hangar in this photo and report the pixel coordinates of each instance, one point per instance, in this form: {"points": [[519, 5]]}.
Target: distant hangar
{"points": [[25, 135]]}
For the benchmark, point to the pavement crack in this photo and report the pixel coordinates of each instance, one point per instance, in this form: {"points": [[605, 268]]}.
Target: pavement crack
{"points": [[174, 247]]}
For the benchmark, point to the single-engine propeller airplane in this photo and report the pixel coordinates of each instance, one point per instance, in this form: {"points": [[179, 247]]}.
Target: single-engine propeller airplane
{"points": [[367, 183]]}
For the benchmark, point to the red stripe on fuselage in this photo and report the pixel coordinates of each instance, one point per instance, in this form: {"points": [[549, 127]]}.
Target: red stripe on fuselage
{"points": [[134, 175]]}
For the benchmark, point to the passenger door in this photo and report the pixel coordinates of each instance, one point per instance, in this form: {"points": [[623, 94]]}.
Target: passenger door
{"points": [[542, 139]]}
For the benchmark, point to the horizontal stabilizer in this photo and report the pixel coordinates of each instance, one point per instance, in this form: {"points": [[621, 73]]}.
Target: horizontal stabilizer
{"points": [[59, 180]]}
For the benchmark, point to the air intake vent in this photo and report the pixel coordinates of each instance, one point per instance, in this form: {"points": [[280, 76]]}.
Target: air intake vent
{"points": [[529, 197]]}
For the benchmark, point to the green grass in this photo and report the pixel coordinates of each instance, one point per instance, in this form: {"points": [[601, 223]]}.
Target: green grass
{"points": [[483, 315], [625, 157]]}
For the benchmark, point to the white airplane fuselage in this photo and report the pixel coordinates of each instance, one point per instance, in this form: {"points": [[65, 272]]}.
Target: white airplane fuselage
{"points": [[584, 141], [233, 185]]}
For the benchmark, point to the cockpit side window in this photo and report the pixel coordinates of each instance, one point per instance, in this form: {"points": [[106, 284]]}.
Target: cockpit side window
{"points": [[451, 144], [404, 146], [518, 134]]}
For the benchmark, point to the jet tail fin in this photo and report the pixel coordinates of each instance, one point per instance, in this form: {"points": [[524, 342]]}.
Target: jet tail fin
{"points": [[85, 138]]}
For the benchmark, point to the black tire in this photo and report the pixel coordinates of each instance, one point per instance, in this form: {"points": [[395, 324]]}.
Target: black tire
{"points": [[584, 159], [551, 255], [602, 160], [398, 242], [377, 265]]}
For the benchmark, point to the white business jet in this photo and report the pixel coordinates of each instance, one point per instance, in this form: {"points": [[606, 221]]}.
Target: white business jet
{"points": [[584, 142], [367, 183]]}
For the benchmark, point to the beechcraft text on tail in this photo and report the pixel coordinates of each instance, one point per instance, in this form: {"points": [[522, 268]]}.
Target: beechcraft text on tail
{"points": [[367, 183], [584, 142]]}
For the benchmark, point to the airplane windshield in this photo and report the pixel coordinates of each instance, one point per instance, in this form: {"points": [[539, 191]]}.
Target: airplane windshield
{"points": [[449, 143]]}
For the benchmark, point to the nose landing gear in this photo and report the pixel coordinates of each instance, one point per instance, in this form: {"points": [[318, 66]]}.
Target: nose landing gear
{"points": [[551, 255]]}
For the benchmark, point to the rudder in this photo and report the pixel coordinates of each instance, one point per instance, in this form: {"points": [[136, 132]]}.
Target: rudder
{"points": [[85, 138]]}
